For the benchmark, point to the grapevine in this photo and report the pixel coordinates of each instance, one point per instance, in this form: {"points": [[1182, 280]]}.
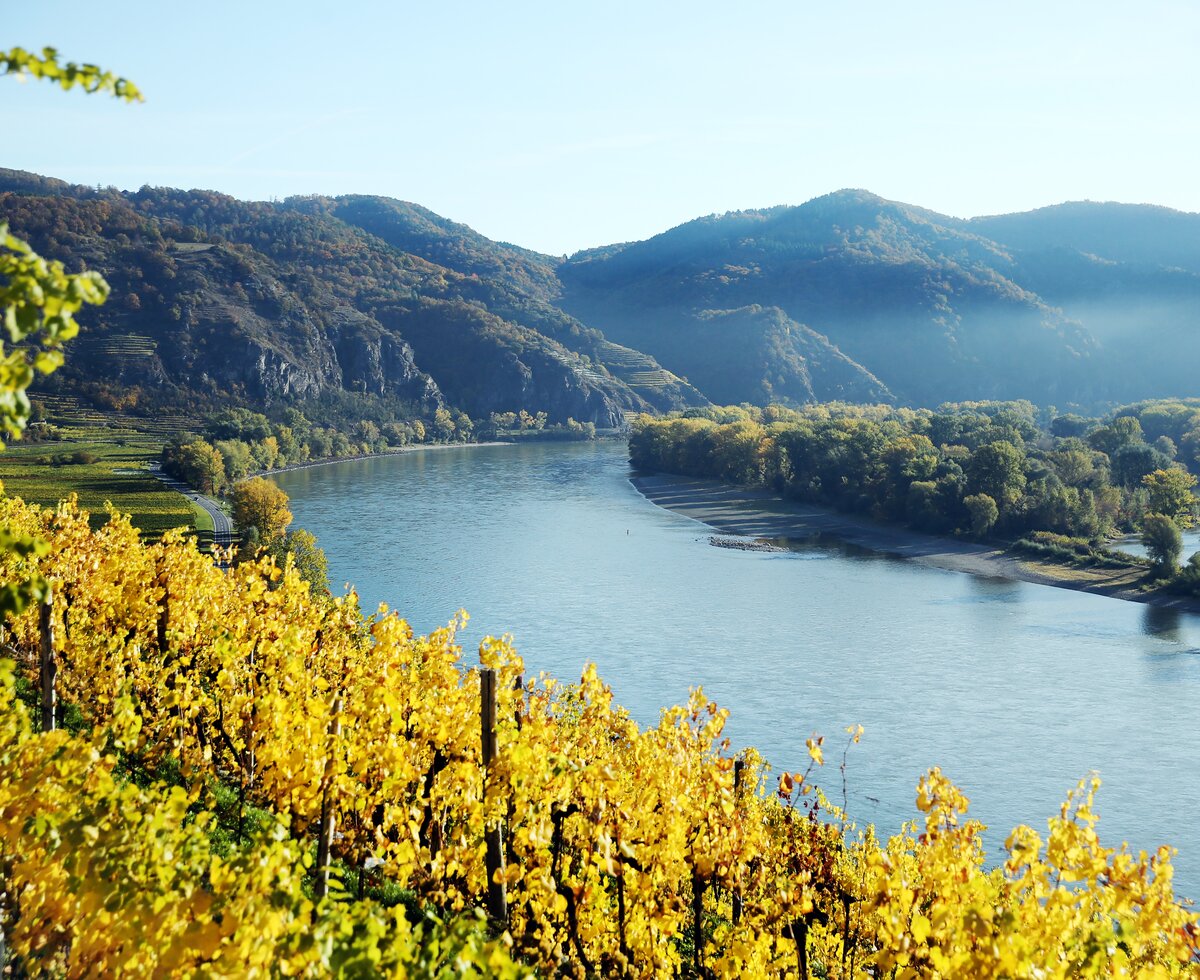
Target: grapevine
{"points": [[629, 850]]}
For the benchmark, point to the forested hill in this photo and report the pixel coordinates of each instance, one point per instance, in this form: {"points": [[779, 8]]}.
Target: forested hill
{"points": [[1082, 303], [376, 302], [218, 301]]}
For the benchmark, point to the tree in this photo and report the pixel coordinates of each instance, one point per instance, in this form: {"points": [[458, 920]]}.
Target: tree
{"points": [[1163, 541], [983, 511], [259, 503], [1074, 462], [299, 548], [443, 424], [197, 464], [1068, 425], [236, 455], [997, 471], [1170, 493], [1120, 432], [1132, 462]]}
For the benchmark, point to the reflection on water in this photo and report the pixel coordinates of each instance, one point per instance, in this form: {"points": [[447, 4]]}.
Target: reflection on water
{"points": [[1016, 690], [1162, 621]]}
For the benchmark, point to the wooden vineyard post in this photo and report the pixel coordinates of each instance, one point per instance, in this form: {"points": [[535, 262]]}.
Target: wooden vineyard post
{"points": [[739, 766], [48, 663], [493, 835], [325, 834], [519, 689]]}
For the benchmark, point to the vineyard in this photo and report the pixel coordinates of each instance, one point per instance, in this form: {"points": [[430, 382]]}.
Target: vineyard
{"points": [[218, 773], [636, 369]]}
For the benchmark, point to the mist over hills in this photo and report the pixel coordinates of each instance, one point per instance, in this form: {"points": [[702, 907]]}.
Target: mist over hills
{"points": [[1081, 303], [848, 296]]}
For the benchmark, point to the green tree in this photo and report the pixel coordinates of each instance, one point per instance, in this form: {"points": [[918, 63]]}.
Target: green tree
{"points": [[983, 511], [1070, 425], [1163, 541], [1074, 463], [299, 548], [236, 456], [1120, 432], [997, 471], [1132, 462], [1170, 493]]}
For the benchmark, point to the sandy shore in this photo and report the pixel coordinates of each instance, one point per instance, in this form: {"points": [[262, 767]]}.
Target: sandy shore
{"points": [[759, 514]]}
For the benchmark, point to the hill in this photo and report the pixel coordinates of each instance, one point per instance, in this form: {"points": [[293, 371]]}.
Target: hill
{"points": [[219, 301], [918, 305], [382, 307]]}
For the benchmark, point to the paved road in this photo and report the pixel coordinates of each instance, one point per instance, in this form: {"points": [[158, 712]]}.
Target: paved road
{"points": [[222, 527]]}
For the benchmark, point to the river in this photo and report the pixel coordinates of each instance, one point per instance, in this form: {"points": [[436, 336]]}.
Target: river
{"points": [[1015, 690]]}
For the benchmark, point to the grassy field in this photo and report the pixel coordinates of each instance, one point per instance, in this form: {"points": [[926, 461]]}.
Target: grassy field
{"points": [[114, 470]]}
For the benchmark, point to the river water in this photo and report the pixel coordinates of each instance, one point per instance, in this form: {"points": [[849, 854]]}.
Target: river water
{"points": [[1015, 690]]}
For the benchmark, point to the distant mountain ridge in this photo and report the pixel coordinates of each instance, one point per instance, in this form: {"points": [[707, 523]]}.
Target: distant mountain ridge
{"points": [[848, 296], [1077, 304]]}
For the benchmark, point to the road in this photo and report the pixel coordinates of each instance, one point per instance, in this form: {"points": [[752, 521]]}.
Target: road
{"points": [[222, 526]]}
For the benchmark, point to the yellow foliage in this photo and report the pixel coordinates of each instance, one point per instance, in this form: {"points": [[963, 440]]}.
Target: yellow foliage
{"points": [[631, 851]]}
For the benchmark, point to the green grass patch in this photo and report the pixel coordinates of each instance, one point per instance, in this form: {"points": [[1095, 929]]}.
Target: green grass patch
{"points": [[99, 464], [1066, 550]]}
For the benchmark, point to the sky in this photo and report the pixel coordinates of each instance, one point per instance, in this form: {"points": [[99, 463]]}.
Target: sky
{"points": [[565, 125]]}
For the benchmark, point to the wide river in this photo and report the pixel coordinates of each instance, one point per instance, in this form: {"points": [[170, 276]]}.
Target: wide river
{"points": [[1015, 690]]}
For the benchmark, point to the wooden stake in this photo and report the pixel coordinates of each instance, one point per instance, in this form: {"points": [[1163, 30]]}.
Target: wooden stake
{"points": [[519, 688], [48, 665], [510, 855], [497, 899], [739, 766], [325, 837]]}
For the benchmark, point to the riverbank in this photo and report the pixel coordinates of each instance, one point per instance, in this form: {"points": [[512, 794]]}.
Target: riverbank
{"points": [[758, 514], [400, 450]]}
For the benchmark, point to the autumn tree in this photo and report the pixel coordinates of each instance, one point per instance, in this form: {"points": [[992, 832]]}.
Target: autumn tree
{"points": [[197, 463], [260, 504], [443, 424], [1170, 493]]}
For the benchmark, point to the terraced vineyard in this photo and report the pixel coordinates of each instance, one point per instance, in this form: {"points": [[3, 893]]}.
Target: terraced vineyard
{"points": [[116, 347], [636, 369], [67, 410]]}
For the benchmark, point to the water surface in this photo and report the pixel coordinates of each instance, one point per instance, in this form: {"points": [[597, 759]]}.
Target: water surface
{"points": [[1015, 690]]}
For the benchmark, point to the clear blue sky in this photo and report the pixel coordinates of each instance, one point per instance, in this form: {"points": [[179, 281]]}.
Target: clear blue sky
{"points": [[564, 125]]}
